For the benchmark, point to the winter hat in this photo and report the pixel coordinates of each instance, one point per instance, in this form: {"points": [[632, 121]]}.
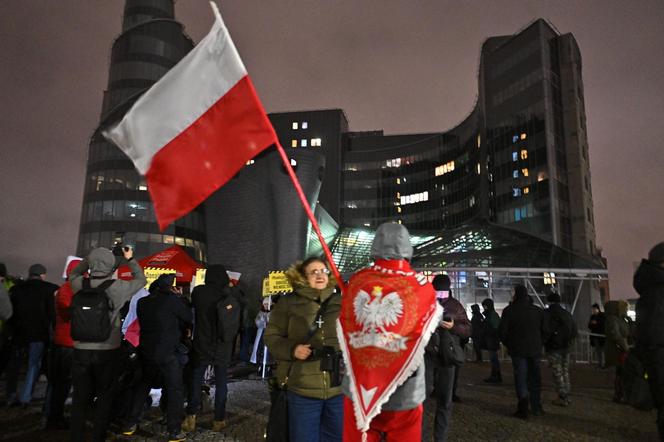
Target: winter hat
{"points": [[487, 303], [656, 254], [36, 269], [475, 308], [71, 266], [392, 241], [520, 292], [553, 298], [163, 283], [441, 282]]}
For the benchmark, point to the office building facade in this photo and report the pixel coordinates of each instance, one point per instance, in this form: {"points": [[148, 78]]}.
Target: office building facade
{"points": [[116, 202]]}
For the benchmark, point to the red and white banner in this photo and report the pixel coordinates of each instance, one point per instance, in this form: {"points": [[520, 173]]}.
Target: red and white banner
{"points": [[195, 128], [388, 313]]}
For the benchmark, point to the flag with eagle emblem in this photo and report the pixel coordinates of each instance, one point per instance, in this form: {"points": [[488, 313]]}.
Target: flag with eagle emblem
{"points": [[388, 313]]}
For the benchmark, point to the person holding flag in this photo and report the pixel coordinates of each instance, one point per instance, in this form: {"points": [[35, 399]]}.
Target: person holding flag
{"points": [[388, 313]]}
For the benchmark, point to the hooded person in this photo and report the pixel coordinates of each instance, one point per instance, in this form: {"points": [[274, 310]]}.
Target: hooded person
{"points": [[442, 378], [216, 322], [388, 314], [523, 329], [477, 324], [95, 365], [562, 332], [649, 283]]}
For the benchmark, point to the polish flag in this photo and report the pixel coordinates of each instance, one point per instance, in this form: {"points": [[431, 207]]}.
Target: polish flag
{"points": [[195, 128]]}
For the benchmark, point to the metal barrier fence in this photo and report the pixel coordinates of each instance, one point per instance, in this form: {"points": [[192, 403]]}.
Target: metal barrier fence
{"points": [[580, 351]]}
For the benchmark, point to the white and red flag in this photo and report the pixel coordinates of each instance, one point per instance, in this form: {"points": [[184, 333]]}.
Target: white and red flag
{"points": [[388, 313], [195, 128]]}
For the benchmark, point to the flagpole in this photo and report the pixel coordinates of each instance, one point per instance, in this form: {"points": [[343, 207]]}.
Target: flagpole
{"points": [[310, 215]]}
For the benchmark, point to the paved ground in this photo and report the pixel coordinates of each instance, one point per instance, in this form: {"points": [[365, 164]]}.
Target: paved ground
{"points": [[484, 415]]}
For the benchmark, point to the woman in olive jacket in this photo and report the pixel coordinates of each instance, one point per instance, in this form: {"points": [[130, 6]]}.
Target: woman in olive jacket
{"points": [[618, 328], [315, 406]]}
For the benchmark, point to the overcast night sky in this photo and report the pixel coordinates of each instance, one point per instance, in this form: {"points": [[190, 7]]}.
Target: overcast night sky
{"points": [[402, 66]]}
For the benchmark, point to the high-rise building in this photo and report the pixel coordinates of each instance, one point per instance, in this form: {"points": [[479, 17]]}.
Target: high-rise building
{"points": [[519, 159], [116, 202]]}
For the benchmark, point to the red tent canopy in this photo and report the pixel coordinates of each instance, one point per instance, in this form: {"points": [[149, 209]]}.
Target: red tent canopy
{"points": [[174, 258]]}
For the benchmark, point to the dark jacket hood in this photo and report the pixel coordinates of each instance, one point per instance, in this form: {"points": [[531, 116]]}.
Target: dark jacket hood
{"points": [[216, 275], [647, 276], [616, 308]]}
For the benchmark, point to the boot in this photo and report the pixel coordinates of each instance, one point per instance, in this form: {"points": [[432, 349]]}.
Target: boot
{"points": [[218, 425], [522, 409], [189, 423]]}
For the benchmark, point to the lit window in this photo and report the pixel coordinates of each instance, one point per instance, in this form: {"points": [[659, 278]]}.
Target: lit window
{"points": [[524, 154], [523, 136], [293, 143], [541, 176], [303, 143], [315, 142], [515, 174], [549, 278], [524, 171], [398, 195], [142, 187], [398, 180], [517, 215], [295, 125], [471, 202], [478, 168], [414, 198], [515, 138], [516, 192], [367, 225], [293, 162], [526, 190], [305, 125], [515, 156], [398, 209], [444, 168]]}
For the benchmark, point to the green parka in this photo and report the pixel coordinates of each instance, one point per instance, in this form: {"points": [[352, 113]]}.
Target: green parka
{"points": [[288, 326]]}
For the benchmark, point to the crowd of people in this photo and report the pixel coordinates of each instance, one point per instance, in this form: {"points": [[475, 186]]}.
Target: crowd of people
{"points": [[337, 385]]}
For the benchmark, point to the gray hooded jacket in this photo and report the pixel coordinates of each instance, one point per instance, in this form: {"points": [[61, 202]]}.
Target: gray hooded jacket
{"points": [[101, 264]]}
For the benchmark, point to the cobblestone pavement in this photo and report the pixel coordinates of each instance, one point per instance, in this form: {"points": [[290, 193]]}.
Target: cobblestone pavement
{"points": [[484, 414]]}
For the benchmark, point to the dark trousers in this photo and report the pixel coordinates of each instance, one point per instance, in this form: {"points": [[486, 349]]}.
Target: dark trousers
{"points": [[59, 381], [168, 373], [495, 364], [93, 375], [221, 390], [654, 364], [528, 380], [478, 351], [440, 383]]}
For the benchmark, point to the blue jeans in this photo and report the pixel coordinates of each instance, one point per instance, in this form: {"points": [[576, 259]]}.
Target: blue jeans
{"points": [[35, 352], [221, 390], [315, 420], [528, 380]]}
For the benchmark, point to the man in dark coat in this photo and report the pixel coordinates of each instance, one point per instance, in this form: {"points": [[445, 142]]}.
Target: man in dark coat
{"points": [[492, 340], [163, 317], [522, 329], [33, 321], [562, 331], [216, 322], [477, 323], [596, 326], [442, 379], [649, 283]]}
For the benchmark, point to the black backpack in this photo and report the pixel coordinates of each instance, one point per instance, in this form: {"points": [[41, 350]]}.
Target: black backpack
{"points": [[91, 313], [561, 331], [228, 316]]}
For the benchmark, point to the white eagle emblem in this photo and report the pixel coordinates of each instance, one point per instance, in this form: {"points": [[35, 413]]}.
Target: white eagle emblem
{"points": [[377, 313]]}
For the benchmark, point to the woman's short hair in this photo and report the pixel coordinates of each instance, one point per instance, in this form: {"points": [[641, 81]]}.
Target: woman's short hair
{"points": [[308, 261]]}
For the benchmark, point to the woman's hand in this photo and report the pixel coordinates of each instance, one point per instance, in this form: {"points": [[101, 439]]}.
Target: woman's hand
{"points": [[302, 351], [447, 325]]}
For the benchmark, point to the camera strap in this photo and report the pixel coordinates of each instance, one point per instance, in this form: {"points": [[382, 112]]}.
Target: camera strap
{"points": [[319, 314]]}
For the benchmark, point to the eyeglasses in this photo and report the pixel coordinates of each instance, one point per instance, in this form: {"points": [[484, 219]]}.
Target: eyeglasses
{"points": [[317, 272]]}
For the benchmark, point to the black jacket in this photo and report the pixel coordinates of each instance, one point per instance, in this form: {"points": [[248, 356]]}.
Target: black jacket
{"points": [[596, 325], [162, 316], [216, 318], [561, 328], [33, 302], [649, 283], [522, 329]]}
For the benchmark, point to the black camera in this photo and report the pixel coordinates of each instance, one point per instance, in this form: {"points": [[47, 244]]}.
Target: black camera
{"points": [[330, 361], [117, 249]]}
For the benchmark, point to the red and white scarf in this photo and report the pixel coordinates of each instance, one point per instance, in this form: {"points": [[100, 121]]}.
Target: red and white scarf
{"points": [[388, 313]]}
